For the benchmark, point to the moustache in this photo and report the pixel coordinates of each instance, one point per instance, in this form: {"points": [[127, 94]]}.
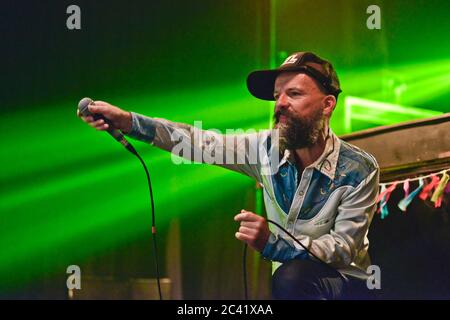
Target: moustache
{"points": [[283, 112]]}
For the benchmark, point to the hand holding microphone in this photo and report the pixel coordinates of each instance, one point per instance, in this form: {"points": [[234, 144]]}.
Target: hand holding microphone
{"points": [[112, 115], [105, 117]]}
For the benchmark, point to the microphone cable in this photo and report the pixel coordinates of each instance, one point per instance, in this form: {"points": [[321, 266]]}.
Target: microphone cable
{"points": [[155, 248], [244, 270], [83, 109], [244, 258]]}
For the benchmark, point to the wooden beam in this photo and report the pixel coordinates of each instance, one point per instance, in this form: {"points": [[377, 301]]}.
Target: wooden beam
{"points": [[407, 149]]}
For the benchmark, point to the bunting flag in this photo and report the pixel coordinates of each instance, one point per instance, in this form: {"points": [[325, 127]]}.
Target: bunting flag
{"points": [[434, 191], [406, 187], [428, 189], [439, 191], [404, 203], [383, 205], [382, 198], [382, 192]]}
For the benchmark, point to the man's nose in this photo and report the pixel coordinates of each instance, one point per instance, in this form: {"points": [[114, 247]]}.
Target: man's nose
{"points": [[281, 103]]}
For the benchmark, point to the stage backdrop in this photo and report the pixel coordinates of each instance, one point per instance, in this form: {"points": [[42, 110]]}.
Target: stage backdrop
{"points": [[72, 196]]}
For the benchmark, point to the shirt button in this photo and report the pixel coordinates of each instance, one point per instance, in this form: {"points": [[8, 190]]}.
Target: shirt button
{"points": [[300, 193]]}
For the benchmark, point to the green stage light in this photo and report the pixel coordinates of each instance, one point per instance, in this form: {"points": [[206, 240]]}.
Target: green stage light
{"points": [[108, 219], [422, 91], [69, 186], [381, 113]]}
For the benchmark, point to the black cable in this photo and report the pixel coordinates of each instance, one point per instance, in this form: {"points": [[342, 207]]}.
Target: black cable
{"points": [[153, 225], [244, 269], [301, 244], [296, 240]]}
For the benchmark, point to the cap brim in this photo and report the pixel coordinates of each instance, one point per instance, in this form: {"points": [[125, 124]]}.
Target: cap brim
{"points": [[261, 83]]}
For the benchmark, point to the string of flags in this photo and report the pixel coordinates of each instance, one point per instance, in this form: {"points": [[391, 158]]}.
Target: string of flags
{"points": [[433, 189]]}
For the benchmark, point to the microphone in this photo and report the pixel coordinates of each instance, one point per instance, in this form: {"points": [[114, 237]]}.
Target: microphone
{"points": [[116, 134]]}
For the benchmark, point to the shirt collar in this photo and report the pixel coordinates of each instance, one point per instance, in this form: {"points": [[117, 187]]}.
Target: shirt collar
{"points": [[329, 157]]}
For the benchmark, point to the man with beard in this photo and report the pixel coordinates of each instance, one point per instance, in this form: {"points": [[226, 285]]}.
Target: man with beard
{"points": [[323, 191]]}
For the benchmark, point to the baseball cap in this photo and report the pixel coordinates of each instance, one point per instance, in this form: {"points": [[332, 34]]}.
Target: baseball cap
{"points": [[261, 83]]}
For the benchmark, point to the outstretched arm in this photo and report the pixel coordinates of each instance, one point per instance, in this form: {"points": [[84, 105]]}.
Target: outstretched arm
{"points": [[241, 152]]}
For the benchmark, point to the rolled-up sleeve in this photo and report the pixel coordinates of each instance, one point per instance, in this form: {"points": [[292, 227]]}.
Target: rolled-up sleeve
{"points": [[143, 128]]}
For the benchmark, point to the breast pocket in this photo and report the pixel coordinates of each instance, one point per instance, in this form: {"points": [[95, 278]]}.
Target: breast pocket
{"points": [[322, 194]]}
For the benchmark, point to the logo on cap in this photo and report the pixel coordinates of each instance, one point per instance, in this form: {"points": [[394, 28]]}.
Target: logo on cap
{"points": [[291, 59]]}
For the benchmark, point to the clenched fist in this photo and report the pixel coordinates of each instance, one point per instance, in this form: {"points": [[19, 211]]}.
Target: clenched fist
{"points": [[253, 230]]}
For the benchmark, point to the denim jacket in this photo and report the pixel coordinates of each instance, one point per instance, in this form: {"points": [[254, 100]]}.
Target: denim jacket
{"points": [[328, 208]]}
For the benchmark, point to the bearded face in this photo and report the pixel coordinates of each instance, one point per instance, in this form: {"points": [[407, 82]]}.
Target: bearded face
{"points": [[296, 132], [302, 111]]}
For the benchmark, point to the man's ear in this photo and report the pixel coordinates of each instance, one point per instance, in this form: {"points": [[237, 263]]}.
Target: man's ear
{"points": [[329, 105]]}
